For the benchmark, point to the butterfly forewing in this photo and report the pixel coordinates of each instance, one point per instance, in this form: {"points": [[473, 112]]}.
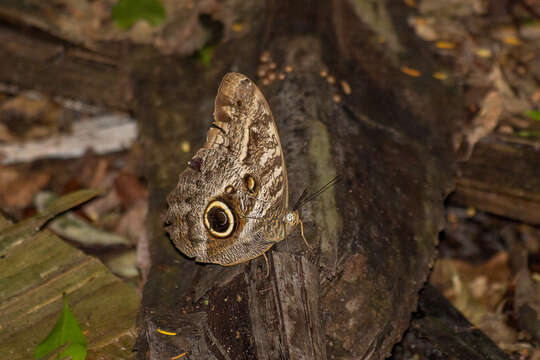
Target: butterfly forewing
{"points": [[216, 209]]}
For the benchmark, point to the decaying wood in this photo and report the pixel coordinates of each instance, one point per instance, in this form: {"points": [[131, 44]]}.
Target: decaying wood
{"points": [[41, 62], [35, 271], [375, 233], [502, 177]]}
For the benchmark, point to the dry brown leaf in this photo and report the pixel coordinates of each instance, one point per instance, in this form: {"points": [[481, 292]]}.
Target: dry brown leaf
{"points": [[5, 134], [476, 290], [133, 222], [482, 125], [17, 189], [424, 28], [100, 172]]}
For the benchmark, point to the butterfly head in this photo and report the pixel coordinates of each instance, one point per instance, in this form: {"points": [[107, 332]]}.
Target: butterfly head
{"points": [[291, 218]]}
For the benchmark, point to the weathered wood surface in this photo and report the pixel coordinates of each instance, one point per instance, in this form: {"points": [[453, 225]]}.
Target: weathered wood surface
{"points": [[36, 61], [375, 233], [35, 271], [502, 177]]}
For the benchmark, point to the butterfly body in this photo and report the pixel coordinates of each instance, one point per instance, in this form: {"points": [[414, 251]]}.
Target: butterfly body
{"points": [[231, 204]]}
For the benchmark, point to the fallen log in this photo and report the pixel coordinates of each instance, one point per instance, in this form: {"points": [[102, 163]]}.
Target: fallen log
{"points": [[502, 178], [374, 235]]}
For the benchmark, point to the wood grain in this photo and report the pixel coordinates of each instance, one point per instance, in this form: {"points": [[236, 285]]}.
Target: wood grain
{"points": [[502, 177], [35, 272]]}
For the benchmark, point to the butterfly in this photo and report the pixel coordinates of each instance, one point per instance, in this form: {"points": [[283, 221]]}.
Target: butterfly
{"points": [[231, 203]]}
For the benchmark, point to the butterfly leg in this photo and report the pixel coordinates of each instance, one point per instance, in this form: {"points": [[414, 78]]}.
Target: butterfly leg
{"points": [[302, 232], [267, 265]]}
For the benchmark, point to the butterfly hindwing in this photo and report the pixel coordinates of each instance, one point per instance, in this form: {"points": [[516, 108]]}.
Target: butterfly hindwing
{"points": [[236, 184]]}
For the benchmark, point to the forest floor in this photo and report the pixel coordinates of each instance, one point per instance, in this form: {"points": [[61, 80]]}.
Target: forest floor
{"points": [[45, 147]]}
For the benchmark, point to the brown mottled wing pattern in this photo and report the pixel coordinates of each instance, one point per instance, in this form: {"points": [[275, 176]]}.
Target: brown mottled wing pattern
{"points": [[242, 165]]}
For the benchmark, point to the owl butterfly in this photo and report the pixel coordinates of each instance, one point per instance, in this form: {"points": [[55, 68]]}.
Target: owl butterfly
{"points": [[231, 204]]}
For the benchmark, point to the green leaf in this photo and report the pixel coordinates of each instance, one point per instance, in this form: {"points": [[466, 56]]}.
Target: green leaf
{"points": [[529, 133], [205, 56], [533, 114], [528, 21], [65, 331], [126, 12]]}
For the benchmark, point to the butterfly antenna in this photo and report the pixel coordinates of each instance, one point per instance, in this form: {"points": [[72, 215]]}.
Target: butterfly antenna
{"points": [[300, 198], [325, 187]]}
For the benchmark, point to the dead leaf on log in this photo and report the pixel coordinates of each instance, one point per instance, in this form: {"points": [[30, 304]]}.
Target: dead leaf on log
{"points": [[483, 124]]}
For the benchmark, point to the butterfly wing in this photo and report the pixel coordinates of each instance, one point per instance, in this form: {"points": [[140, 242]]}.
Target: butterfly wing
{"points": [[235, 191], [242, 111]]}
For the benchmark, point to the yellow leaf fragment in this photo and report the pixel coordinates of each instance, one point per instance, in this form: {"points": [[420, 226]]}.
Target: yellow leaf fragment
{"points": [[445, 45], [471, 212], [166, 332], [237, 27], [420, 21], [179, 356], [410, 71], [511, 40], [439, 75], [483, 52], [346, 87], [410, 3]]}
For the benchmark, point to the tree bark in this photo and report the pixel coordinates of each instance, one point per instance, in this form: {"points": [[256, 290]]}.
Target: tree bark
{"points": [[374, 235]]}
